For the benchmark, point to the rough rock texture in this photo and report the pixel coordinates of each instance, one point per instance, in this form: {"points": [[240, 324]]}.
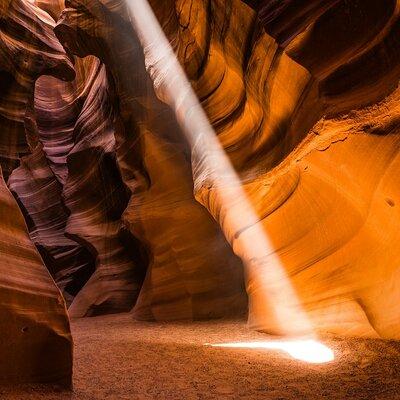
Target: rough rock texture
{"points": [[35, 343]]}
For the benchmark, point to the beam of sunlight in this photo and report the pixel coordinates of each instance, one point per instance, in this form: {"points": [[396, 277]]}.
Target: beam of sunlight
{"points": [[310, 351], [213, 171]]}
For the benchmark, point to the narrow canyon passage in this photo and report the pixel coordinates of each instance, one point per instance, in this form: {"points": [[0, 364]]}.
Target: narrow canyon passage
{"points": [[117, 358], [199, 199]]}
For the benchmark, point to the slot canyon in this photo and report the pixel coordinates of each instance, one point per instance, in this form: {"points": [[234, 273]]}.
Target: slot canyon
{"points": [[199, 199]]}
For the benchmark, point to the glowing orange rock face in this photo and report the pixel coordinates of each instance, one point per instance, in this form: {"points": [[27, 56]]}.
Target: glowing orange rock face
{"points": [[321, 189]]}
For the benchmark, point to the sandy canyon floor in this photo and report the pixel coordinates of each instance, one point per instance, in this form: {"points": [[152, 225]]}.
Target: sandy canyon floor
{"points": [[118, 358]]}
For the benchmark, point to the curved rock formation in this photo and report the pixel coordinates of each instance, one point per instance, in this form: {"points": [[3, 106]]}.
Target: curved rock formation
{"points": [[39, 194], [35, 344], [264, 80], [186, 278], [28, 50], [97, 202], [77, 226]]}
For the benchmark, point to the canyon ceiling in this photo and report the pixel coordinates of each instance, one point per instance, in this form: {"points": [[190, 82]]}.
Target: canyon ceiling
{"points": [[105, 207]]}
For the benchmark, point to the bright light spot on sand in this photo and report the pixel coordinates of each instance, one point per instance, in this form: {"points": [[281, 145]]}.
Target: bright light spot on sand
{"points": [[310, 351]]}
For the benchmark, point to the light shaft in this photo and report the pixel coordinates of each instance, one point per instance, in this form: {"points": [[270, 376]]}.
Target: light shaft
{"points": [[213, 172]]}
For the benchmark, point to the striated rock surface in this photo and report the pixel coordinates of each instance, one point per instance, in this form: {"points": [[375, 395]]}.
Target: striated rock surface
{"points": [[39, 194], [77, 226], [35, 343], [38, 182], [186, 277], [29, 49], [97, 202]]}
